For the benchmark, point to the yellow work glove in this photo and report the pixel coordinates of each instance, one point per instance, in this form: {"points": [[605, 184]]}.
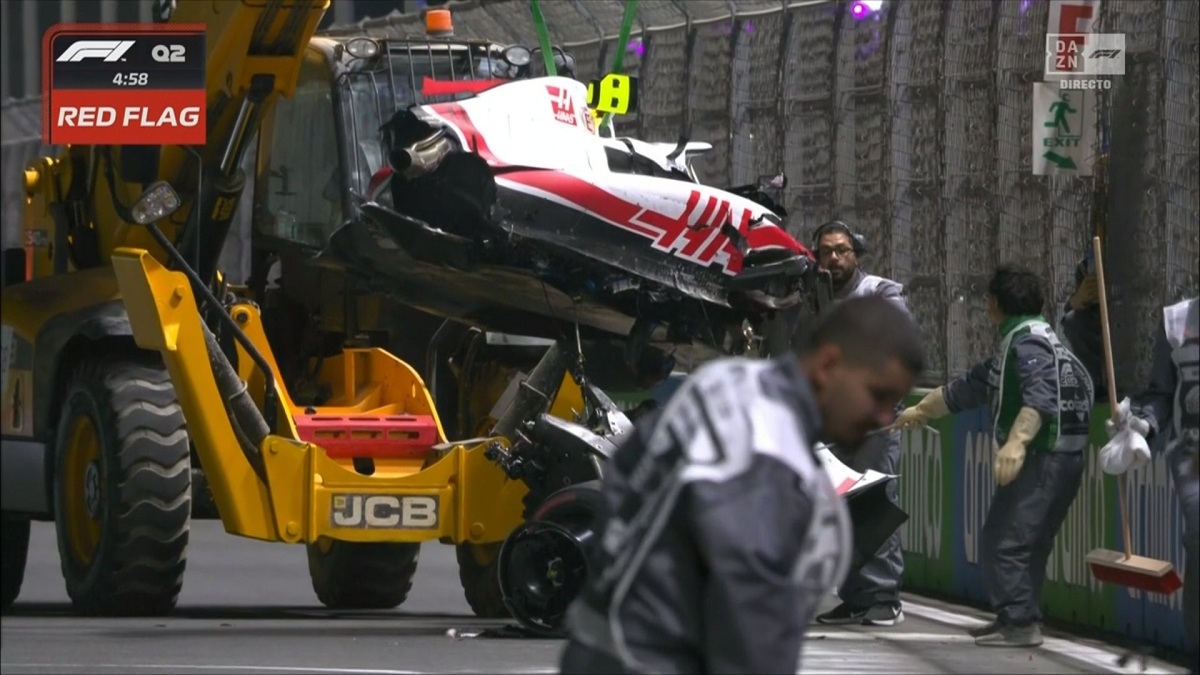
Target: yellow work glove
{"points": [[1010, 457], [931, 407]]}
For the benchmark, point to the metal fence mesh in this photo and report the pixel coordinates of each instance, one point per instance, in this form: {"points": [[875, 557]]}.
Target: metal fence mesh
{"points": [[661, 98], [914, 123], [20, 141], [757, 143], [809, 116], [914, 189], [1181, 137]]}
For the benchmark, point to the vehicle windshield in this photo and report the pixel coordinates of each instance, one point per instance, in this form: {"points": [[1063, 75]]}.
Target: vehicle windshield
{"points": [[298, 195], [371, 96]]}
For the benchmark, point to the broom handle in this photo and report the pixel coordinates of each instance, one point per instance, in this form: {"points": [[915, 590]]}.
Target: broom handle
{"points": [[1112, 383], [1124, 516]]}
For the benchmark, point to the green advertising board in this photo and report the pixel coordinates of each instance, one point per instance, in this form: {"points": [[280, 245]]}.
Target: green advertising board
{"points": [[946, 484]]}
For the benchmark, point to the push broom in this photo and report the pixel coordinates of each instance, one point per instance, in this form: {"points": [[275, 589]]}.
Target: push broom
{"points": [[1116, 567]]}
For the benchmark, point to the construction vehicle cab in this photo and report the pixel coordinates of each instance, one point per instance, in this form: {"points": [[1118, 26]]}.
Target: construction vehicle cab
{"points": [[320, 157], [350, 84], [347, 89]]}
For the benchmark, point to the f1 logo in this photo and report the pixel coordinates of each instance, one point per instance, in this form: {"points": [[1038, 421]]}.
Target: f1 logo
{"points": [[109, 50]]}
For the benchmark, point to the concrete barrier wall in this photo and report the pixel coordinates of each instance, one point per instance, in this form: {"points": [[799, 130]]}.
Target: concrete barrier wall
{"points": [[946, 485]]}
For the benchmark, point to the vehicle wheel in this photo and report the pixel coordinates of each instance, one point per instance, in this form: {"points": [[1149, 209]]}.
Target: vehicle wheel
{"points": [[14, 550], [543, 564], [122, 489], [480, 581], [351, 575]]}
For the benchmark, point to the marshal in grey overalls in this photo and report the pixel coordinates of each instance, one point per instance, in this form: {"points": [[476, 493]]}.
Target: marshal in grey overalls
{"points": [[1033, 369], [877, 581]]}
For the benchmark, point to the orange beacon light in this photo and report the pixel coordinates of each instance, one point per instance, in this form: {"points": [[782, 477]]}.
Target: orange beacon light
{"points": [[438, 23]]}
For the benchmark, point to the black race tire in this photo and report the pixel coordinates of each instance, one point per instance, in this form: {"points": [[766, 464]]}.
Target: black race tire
{"points": [[570, 517], [579, 503], [136, 488]]}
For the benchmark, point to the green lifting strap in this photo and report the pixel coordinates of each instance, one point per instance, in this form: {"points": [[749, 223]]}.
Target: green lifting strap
{"points": [[539, 22], [622, 46]]}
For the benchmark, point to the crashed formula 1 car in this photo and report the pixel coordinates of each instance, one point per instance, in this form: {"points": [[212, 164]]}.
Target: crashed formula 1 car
{"points": [[490, 198], [512, 213]]}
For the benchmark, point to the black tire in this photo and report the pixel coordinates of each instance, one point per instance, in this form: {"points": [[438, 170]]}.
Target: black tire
{"points": [[575, 504], [14, 550], [351, 575], [570, 514], [480, 581], [123, 545]]}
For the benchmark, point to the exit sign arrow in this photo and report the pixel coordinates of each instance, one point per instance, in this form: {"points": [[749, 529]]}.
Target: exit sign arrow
{"points": [[1060, 161]]}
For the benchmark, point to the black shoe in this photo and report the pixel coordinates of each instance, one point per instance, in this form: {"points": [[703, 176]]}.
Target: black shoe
{"points": [[988, 628], [842, 615], [1012, 636]]}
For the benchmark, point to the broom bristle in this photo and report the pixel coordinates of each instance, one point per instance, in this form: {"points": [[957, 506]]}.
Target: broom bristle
{"points": [[1135, 571]]}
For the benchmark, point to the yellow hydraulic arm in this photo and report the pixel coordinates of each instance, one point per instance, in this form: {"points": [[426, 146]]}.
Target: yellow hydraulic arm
{"points": [[302, 494]]}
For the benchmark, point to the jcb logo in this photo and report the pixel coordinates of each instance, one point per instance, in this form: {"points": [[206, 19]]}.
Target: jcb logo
{"points": [[108, 50], [385, 512]]}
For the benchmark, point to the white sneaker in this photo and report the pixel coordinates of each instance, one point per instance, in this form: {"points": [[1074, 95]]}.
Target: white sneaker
{"points": [[884, 614]]}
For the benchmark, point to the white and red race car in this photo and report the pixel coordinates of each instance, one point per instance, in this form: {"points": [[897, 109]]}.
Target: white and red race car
{"points": [[513, 213]]}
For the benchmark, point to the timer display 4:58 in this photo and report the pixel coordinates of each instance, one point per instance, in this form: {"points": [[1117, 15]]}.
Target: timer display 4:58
{"points": [[131, 79]]}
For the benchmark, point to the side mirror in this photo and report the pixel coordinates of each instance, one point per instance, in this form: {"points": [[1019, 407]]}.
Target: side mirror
{"points": [[157, 202]]}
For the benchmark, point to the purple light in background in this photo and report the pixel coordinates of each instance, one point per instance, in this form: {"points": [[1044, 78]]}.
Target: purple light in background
{"points": [[1025, 6], [749, 27], [861, 9], [636, 46]]}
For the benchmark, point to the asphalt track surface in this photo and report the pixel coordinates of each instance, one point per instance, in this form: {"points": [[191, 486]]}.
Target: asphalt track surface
{"points": [[247, 607]]}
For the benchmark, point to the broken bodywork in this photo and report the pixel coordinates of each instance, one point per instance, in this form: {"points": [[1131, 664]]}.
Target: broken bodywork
{"points": [[530, 222]]}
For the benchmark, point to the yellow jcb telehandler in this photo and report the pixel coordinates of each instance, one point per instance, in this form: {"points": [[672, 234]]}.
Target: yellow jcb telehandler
{"points": [[141, 390]]}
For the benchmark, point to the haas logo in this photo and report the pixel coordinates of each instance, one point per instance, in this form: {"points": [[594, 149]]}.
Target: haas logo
{"points": [[561, 105]]}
